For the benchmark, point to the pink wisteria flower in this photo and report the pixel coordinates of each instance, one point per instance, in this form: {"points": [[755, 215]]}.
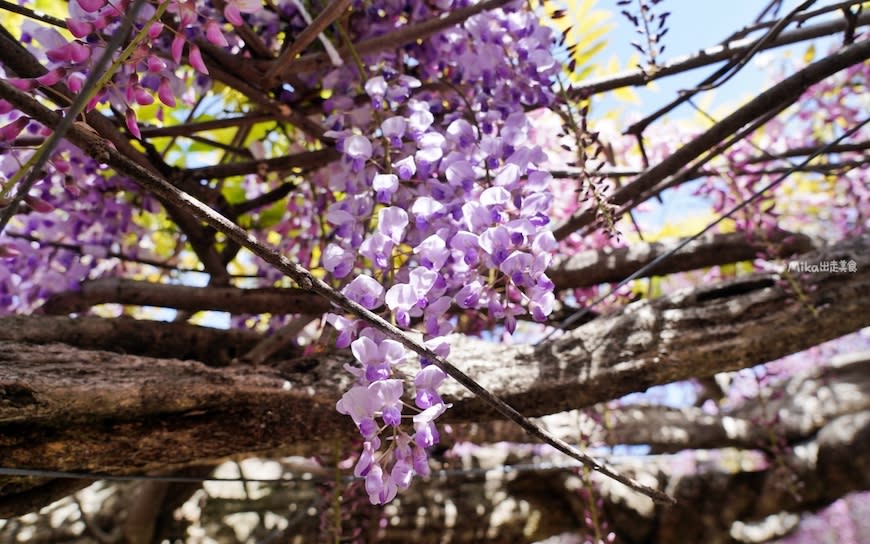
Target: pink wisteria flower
{"points": [[234, 9]]}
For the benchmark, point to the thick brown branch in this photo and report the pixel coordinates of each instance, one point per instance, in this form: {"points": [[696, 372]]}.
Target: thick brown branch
{"points": [[806, 402], [398, 38], [594, 267], [215, 347], [185, 297], [306, 160], [281, 68], [775, 99], [212, 124], [695, 173]]}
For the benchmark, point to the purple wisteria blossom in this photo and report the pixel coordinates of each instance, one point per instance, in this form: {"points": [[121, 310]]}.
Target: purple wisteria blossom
{"points": [[337, 260], [427, 382], [408, 300], [441, 200], [364, 290], [385, 185]]}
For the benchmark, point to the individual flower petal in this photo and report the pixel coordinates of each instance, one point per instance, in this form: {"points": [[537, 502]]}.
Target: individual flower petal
{"points": [[469, 295], [366, 460], [390, 394], [376, 88], [337, 260], [91, 6], [195, 58], [78, 28], [497, 242], [177, 48], [378, 248], [364, 290], [79, 52], [358, 147], [433, 252], [22, 84], [37, 204], [426, 434], [214, 34], [132, 125], [427, 381], [381, 490], [233, 15], [75, 81], [155, 64], [165, 94], [392, 222], [405, 168], [360, 403], [541, 303], [366, 350], [11, 131], [420, 461], [459, 173], [142, 97], [402, 474], [507, 176], [393, 129], [517, 266], [155, 30], [419, 121], [462, 133], [384, 186], [495, 196]]}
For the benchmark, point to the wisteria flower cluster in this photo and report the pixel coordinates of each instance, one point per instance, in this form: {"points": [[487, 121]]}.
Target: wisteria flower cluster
{"points": [[440, 211], [77, 216]]}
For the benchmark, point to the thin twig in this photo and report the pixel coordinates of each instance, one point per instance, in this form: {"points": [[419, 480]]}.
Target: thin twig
{"points": [[306, 160], [276, 341], [722, 75], [634, 78], [264, 199], [29, 13], [185, 297]]}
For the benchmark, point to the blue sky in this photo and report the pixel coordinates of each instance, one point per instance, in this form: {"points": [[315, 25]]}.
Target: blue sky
{"points": [[695, 25]]}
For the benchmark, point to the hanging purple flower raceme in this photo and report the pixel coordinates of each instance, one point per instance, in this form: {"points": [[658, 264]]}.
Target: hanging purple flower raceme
{"points": [[438, 209]]}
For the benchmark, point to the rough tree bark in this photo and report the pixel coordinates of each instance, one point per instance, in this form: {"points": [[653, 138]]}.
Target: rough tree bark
{"points": [[67, 408], [475, 500]]}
